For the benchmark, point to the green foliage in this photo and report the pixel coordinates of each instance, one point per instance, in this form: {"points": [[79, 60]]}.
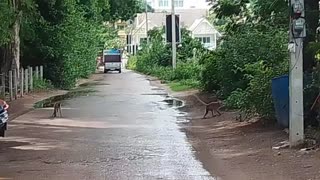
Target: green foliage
{"points": [[254, 51], [125, 9], [71, 48], [132, 63], [42, 84], [188, 45], [184, 85], [237, 99], [241, 69], [234, 15], [7, 19], [259, 98], [66, 36], [156, 61], [63, 35]]}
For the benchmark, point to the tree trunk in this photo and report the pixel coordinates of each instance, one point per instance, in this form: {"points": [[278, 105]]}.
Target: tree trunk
{"points": [[10, 53], [15, 44]]}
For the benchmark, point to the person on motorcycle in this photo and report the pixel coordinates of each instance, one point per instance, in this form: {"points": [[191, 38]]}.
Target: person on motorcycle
{"points": [[4, 104]]}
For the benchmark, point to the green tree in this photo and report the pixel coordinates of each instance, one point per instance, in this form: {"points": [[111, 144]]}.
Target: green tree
{"points": [[66, 36]]}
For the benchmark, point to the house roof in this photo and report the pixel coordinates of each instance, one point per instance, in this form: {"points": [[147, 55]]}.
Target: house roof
{"points": [[196, 24]]}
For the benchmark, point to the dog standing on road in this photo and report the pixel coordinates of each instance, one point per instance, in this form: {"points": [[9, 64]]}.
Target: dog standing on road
{"points": [[56, 109]]}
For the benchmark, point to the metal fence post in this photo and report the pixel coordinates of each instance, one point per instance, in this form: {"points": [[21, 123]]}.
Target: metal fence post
{"points": [[15, 84], [10, 86], [41, 72], [37, 73], [21, 82], [31, 79], [26, 78]]}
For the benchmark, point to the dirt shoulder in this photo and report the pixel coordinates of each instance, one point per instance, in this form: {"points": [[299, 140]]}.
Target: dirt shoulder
{"points": [[23, 105], [237, 150]]}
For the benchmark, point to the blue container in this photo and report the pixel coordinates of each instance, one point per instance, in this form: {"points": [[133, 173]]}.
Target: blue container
{"points": [[280, 95]]}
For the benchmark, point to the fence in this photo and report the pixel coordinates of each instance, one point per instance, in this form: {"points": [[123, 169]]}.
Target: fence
{"points": [[15, 84]]}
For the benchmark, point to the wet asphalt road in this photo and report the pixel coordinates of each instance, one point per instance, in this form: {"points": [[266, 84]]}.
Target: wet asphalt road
{"points": [[123, 131]]}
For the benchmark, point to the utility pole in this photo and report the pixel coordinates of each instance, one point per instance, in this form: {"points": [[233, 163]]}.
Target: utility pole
{"points": [[147, 25], [297, 34], [174, 47]]}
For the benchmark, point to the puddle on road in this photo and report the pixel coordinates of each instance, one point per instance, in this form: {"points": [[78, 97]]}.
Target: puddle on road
{"points": [[172, 102], [94, 83], [155, 94], [157, 89], [72, 94]]}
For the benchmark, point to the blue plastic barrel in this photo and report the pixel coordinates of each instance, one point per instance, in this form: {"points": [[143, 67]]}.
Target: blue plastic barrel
{"points": [[280, 95]]}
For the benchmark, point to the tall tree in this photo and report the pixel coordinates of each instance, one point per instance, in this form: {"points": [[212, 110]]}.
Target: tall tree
{"points": [[11, 27], [10, 51]]}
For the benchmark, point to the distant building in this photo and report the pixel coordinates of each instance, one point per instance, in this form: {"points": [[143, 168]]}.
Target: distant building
{"points": [[192, 16], [121, 28], [160, 5], [203, 30]]}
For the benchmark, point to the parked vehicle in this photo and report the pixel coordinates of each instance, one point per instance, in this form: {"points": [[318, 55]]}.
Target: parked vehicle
{"points": [[112, 60], [3, 120]]}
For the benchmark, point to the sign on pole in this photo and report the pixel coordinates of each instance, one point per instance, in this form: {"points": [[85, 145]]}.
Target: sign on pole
{"points": [[169, 29]]}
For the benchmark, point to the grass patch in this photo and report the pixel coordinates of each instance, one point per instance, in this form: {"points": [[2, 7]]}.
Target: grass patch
{"points": [[42, 85], [177, 86], [183, 85]]}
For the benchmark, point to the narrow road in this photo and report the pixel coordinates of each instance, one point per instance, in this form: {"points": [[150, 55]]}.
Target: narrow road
{"points": [[124, 130]]}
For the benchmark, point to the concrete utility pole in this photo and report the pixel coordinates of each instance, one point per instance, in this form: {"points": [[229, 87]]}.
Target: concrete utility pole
{"points": [[297, 33], [174, 47], [147, 25]]}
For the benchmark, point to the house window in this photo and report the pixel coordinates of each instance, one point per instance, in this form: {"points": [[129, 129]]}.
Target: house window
{"points": [[205, 40], [178, 3], [163, 3], [121, 27], [143, 40]]}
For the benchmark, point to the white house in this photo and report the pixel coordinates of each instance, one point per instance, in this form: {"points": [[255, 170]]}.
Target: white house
{"points": [[203, 30], [192, 16], [187, 18], [160, 5]]}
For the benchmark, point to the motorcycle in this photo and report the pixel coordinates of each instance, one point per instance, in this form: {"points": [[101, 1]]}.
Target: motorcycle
{"points": [[4, 116]]}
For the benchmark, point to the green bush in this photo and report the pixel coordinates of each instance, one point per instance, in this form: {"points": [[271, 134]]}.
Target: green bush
{"points": [[132, 63], [42, 84], [259, 91], [74, 46], [242, 68], [65, 40], [187, 70], [237, 99], [184, 85]]}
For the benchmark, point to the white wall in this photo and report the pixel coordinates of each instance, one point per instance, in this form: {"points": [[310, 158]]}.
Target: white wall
{"points": [[187, 4]]}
